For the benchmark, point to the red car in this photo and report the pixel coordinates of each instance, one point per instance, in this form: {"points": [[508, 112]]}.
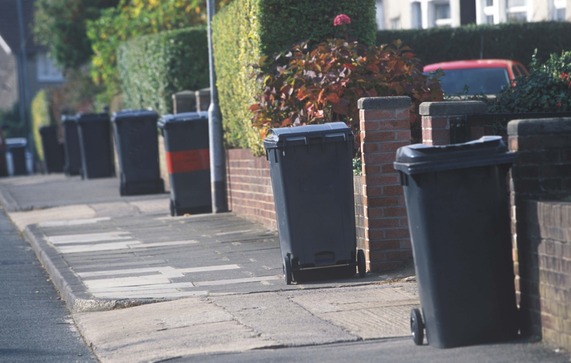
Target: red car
{"points": [[477, 77]]}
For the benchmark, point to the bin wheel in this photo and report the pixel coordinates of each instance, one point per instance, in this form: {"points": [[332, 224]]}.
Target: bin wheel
{"points": [[416, 326], [287, 270], [361, 263]]}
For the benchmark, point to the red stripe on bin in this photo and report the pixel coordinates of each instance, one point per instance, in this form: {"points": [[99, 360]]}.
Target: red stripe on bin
{"points": [[187, 161]]}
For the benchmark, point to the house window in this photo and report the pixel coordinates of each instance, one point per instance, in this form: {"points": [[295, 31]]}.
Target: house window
{"points": [[558, 10], [396, 23], [380, 15], [442, 14], [516, 11], [416, 15], [489, 12], [47, 69]]}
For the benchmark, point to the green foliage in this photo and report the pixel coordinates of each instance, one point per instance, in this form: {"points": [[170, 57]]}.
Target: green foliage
{"points": [[11, 124], [246, 30], [131, 19], [308, 85], [546, 89], [40, 117], [153, 67], [511, 40], [312, 21], [60, 25], [236, 43]]}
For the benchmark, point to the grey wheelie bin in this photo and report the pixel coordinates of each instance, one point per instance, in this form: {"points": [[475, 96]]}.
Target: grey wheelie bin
{"points": [[457, 204], [72, 152], [94, 130], [53, 149], [312, 180], [135, 133], [188, 162], [16, 156]]}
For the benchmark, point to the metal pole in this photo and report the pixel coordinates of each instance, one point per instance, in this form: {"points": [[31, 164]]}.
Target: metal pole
{"points": [[24, 84], [217, 157]]}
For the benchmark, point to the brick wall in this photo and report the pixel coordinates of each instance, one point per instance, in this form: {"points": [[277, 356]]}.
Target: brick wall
{"points": [[437, 119], [249, 187], [546, 264], [385, 126], [541, 182]]}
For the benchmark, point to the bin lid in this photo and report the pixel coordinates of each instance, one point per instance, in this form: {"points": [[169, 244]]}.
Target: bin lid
{"points": [[68, 118], [167, 120], [308, 134], [16, 142], [422, 158], [133, 114], [92, 117]]}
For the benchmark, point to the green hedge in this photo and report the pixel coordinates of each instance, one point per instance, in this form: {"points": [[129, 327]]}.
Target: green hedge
{"points": [[512, 41], [154, 67], [246, 30]]}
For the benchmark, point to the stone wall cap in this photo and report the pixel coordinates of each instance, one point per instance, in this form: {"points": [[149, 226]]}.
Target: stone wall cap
{"points": [[378, 103], [449, 108], [540, 126]]}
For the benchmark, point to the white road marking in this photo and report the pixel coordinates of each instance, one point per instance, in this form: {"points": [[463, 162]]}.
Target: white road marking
{"points": [[237, 281], [73, 222], [89, 238]]}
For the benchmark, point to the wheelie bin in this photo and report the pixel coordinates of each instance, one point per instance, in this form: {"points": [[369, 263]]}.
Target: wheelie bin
{"points": [[188, 162], [457, 204], [53, 149], [312, 180], [16, 150], [94, 130], [138, 152], [72, 151]]}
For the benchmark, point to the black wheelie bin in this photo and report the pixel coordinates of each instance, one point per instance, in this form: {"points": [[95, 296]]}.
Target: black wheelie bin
{"points": [[457, 204], [16, 152], [72, 151], [136, 136], [53, 149], [94, 130], [188, 162], [312, 180]]}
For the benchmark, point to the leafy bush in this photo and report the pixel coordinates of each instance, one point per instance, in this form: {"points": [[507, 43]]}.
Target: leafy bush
{"points": [[153, 67], [323, 84], [246, 30], [546, 89], [131, 19], [61, 26], [11, 124]]}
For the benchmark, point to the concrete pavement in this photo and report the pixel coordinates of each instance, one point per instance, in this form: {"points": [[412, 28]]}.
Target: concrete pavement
{"points": [[144, 286]]}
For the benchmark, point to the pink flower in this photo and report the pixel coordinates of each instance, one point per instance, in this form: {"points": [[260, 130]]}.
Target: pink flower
{"points": [[341, 19]]}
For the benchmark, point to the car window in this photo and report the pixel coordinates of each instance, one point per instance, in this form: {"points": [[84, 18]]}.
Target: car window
{"points": [[474, 81]]}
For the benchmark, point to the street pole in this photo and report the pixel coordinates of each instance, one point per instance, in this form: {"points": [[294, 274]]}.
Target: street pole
{"points": [[24, 82], [217, 157]]}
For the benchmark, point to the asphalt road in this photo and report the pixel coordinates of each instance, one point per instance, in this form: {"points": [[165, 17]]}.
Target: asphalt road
{"points": [[398, 350], [35, 325]]}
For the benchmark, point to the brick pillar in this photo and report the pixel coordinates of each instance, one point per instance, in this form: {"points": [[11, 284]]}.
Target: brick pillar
{"points": [[385, 126], [437, 117], [542, 171]]}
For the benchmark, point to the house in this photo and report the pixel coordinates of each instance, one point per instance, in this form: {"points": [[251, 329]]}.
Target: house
{"points": [[8, 78], [35, 70], [424, 14]]}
